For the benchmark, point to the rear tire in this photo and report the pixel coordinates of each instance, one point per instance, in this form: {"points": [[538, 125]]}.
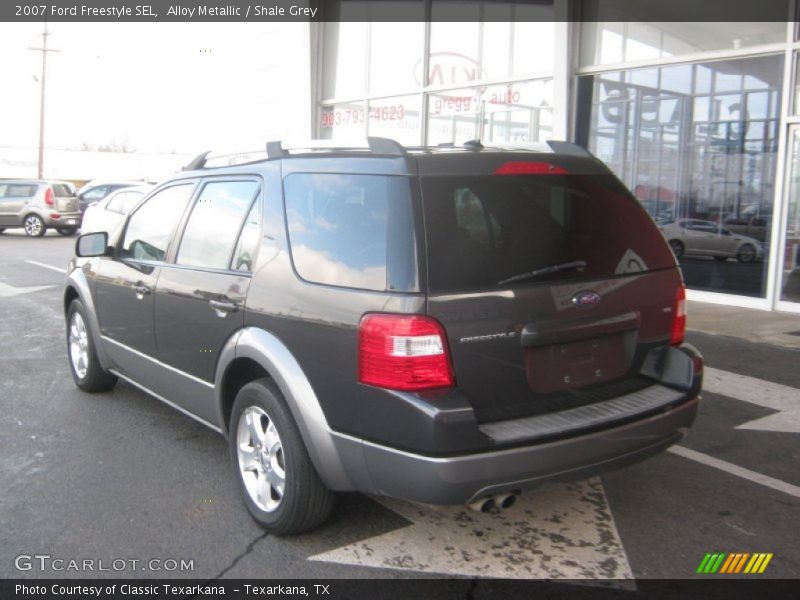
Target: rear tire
{"points": [[86, 370], [34, 225], [66, 230], [677, 248], [280, 486]]}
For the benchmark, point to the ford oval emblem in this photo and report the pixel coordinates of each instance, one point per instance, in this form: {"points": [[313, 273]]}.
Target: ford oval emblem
{"points": [[586, 298]]}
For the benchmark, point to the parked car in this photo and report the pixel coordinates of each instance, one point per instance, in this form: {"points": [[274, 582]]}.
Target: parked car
{"points": [[754, 222], [696, 237], [96, 190], [442, 325], [36, 205], [106, 214]]}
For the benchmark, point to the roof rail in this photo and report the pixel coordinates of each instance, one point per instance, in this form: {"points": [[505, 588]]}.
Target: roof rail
{"points": [[275, 150], [389, 146], [570, 148], [198, 162]]}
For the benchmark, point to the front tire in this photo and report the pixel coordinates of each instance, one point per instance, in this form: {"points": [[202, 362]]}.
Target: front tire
{"points": [[746, 254], [86, 370], [281, 489], [34, 226]]}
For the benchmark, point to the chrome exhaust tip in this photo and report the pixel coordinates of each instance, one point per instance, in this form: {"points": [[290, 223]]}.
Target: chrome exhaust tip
{"points": [[504, 500], [482, 505]]}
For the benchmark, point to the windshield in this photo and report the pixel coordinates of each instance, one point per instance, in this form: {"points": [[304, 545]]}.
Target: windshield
{"points": [[504, 231]]}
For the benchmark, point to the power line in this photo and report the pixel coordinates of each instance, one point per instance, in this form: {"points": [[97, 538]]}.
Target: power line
{"points": [[44, 50]]}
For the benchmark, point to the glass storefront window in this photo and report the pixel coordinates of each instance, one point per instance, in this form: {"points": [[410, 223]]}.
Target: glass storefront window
{"points": [[344, 71], [790, 278], [506, 46], [514, 112], [397, 118], [391, 70], [346, 121], [610, 42], [697, 144]]}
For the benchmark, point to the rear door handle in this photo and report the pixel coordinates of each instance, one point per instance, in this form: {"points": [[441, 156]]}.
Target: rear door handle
{"points": [[141, 290], [223, 307]]}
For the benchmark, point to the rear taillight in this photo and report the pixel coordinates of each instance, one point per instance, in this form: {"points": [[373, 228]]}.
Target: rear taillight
{"points": [[49, 197], [403, 352], [530, 168], [678, 317]]}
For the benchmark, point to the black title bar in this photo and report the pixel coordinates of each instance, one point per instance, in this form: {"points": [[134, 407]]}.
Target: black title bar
{"points": [[159, 11]]}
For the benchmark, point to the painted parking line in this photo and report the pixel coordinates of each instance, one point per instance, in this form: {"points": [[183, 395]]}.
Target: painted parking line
{"points": [[46, 266], [783, 399], [559, 531], [765, 480]]}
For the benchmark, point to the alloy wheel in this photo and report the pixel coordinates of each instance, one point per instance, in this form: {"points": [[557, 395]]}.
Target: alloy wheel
{"points": [[78, 345], [33, 225], [261, 460]]}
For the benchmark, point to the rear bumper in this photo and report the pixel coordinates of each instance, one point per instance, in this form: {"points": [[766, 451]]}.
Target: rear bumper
{"points": [[65, 219], [461, 479]]}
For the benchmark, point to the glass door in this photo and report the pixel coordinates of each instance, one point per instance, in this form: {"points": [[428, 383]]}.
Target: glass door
{"points": [[789, 275]]}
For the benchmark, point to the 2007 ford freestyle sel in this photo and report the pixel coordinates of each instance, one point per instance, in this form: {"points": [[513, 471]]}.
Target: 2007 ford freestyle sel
{"points": [[444, 325]]}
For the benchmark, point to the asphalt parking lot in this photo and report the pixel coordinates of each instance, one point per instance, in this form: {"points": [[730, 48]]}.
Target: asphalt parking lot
{"points": [[120, 476]]}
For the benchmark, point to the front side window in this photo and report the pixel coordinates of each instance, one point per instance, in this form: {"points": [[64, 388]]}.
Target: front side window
{"points": [[150, 228], [214, 225], [339, 229], [246, 247]]}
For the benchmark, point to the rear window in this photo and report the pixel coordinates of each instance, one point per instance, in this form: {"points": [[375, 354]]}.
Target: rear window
{"points": [[499, 231], [340, 233], [62, 191]]}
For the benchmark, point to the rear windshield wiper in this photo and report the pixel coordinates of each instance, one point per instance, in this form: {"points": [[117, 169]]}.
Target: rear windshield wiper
{"points": [[575, 264]]}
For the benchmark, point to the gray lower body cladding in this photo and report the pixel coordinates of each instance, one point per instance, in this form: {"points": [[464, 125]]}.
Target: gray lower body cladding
{"points": [[461, 479]]}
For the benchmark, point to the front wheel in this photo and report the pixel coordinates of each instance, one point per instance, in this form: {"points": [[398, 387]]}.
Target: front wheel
{"points": [[34, 226], [282, 491], [746, 254], [86, 370]]}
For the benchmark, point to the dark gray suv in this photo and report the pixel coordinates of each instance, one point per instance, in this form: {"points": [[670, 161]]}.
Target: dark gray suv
{"points": [[445, 325]]}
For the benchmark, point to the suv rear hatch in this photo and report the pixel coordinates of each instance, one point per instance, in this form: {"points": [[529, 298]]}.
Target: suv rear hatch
{"points": [[550, 280], [65, 199]]}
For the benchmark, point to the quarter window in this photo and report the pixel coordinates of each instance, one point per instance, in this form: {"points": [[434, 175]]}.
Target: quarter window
{"points": [[214, 225], [150, 228], [338, 229]]}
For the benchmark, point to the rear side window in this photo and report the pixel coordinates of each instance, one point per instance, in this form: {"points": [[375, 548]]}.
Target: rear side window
{"points": [[484, 231], [150, 228], [339, 230], [214, 225], [12, 190]]}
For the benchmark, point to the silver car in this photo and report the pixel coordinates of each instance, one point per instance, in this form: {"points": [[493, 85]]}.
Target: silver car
{"points": [[36, 205], [697, 237], [106, 214]]}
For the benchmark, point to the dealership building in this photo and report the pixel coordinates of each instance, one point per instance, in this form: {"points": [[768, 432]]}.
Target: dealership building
{"points": [[701, 120]]}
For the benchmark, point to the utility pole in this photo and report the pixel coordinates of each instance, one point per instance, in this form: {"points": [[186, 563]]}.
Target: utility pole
{"points": [[44, 50]]}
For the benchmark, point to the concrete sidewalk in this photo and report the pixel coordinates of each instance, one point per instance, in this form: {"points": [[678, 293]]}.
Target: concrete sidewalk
{"points": [[746, 323]]}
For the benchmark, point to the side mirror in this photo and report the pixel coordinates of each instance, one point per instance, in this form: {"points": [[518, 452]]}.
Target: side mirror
{"points": [[92, 244]]}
